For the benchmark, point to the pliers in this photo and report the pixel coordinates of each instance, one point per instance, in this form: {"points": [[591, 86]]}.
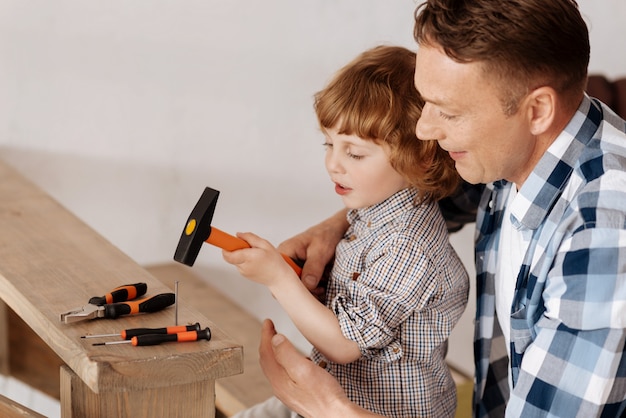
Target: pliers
{"points": [[117, 303]]}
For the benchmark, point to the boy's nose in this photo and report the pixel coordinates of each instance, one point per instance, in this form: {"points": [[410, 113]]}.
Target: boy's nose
{"points": [[333, 165]]}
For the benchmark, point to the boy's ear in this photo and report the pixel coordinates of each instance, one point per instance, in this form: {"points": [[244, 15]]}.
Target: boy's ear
{"points": [[541, 104]]}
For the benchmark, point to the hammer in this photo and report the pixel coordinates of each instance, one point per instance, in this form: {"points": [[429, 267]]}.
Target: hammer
{"points": [[199, 230]]}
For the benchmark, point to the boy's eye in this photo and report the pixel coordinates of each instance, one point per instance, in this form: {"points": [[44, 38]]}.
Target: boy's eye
{"points": [[328, 145], [354, 156]]}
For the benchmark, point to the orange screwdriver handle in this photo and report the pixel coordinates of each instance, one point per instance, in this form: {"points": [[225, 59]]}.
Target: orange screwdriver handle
{"points": [[127, 334], [121, 294], [154, 339], [152, 304], [229, 242]]}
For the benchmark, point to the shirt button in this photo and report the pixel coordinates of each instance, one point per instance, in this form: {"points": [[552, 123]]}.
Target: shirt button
{"points": [[396, 350], [369, 224], [351, 238], [323, 364]]}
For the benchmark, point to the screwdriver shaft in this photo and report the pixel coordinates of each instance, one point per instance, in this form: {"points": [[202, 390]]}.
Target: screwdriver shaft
{"points": [[113, 342], [99, 335]]}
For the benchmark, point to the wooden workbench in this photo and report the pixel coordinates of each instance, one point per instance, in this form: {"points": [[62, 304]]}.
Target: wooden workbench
{"points": [[52, 262]]}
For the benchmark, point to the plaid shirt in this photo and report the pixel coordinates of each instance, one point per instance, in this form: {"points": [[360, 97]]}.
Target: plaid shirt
{"points": [[397, 288], [568, 319]]}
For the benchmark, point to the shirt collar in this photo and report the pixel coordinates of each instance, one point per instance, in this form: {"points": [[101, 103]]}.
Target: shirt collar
{"points": [[386, 210], [547, 180]]}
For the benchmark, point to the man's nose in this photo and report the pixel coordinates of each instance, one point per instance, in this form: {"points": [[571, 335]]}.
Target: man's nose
{"points": [[426, 128]]}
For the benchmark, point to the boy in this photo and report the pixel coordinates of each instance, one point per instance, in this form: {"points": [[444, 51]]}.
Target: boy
{"points": [[397, 288]]}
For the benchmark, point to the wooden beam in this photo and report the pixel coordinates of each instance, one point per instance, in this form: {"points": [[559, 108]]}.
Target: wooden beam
{"points": [[12, 409], [4, 339], [196, 399], [33, 362], [53, 262], [233, 393]]}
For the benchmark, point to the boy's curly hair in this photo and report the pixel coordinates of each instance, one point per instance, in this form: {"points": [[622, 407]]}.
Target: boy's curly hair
{"points": [[373, 97]]}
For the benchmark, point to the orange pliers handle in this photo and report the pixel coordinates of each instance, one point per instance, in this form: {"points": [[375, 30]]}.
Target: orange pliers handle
{"points": [[121, 294], [152, 304]]}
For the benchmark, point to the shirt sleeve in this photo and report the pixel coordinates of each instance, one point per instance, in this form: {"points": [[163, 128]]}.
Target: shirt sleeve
{"points": [[460, 208], [398, 279]]}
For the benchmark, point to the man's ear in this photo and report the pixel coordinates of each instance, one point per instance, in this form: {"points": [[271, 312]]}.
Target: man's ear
{"points": [[542, 109]]}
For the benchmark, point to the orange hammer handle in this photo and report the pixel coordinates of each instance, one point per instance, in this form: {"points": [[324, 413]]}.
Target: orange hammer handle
{"points": [[231, 243], [226, 241]]}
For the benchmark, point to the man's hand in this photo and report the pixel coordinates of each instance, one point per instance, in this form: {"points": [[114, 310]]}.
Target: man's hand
{"points": [[300, 384], [316, 246]]}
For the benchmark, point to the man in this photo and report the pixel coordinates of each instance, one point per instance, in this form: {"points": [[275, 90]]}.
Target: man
{"points": [[503, 84]]}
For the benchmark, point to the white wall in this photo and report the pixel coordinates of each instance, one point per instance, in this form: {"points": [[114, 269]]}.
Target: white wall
{"points": [[125, 110]]}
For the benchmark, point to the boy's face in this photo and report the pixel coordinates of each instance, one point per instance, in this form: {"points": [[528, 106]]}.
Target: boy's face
{"points": [[360, 170], [464, 114]]}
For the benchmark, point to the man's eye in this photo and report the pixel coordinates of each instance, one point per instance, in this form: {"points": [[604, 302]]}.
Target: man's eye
{"points": [[446, 116]]}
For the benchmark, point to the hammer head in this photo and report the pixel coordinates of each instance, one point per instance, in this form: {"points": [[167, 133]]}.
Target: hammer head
{"points": [[197, 229]]}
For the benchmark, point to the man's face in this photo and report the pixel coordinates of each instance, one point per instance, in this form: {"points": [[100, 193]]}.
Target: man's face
{"points": [[464, 114]]}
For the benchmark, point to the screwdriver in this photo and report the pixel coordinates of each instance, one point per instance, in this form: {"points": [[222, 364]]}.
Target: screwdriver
{"points": [[154, 339], [127, 334]]}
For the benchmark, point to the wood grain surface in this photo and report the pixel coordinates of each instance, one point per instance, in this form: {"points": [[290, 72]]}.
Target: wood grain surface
{"points": [[53, 262]]}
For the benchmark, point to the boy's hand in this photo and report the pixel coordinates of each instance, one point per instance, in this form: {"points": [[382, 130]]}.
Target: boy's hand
{"points": [[261, 263]]}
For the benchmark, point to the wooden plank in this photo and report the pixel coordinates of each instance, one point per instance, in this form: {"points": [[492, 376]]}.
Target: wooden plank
{"points": [[52, 262], [12, 409], [33, 362], [4, 339], [234, 393], [194, 399]]}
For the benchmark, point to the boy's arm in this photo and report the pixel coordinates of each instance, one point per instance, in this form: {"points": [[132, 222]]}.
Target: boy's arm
{"points": [[264, 264], [315, 321]]}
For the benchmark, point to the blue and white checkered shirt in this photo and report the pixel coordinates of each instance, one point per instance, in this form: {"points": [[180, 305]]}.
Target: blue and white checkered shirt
{"points": [[568, 318], [397, 288]]}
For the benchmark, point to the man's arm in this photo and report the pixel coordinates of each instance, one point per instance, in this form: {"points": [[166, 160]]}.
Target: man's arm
{"points": [[460, 208]]}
